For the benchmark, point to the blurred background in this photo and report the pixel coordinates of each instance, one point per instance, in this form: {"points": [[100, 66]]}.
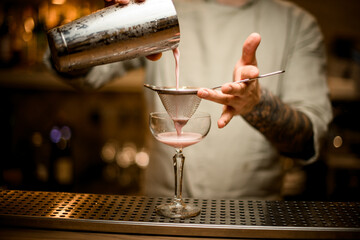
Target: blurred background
{"points": [[54, 138]]}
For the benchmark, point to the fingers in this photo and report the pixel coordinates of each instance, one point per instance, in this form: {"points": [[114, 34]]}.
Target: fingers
{"points": [[226, 116], [118, 1], [236, 89], [108, 3], [124, 2], [154, 57], [214, 96], [236, 96], [249, 71], [246, 67], [244, 72], [249, 49], [111, 2]]}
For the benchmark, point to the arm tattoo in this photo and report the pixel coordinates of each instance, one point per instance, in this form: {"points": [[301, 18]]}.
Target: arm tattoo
{"points": [[289, 130]]}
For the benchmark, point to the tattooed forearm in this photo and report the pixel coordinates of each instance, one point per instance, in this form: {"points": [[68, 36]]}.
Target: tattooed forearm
{"points": [[289, 130]]}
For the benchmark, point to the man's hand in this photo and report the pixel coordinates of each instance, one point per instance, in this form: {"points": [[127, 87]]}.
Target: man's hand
{"points": [[152, 57], [238, 98], [111, 2]]}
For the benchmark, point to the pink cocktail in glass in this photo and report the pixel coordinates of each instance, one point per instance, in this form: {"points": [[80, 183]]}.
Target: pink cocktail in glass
{"points": [[179, 135]]}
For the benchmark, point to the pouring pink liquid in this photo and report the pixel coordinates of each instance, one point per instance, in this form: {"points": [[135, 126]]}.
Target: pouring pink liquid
{"points": [[176, 53], [178, 122]]}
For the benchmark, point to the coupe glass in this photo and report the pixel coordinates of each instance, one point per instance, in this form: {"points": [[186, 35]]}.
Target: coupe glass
{"points": [[179, 133]]}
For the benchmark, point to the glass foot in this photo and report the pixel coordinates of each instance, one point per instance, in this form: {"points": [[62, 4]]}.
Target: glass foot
{"points": [[174, 210]]}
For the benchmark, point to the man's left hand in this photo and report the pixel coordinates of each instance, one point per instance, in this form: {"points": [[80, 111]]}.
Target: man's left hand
{"points": [[238, 98]]}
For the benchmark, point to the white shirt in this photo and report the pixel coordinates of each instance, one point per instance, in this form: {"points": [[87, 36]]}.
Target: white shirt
{"points": [[237, 161]]}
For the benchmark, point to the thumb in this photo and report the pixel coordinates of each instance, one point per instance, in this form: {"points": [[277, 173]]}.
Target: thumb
{"points": [[249, 49]]}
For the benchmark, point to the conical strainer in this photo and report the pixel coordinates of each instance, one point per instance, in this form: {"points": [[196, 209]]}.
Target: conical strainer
{"points": [[182, 103], [179, 103]]}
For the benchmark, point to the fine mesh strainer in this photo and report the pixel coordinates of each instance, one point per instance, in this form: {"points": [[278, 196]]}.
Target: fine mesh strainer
{"points": [[183, 102], [179, 103]]}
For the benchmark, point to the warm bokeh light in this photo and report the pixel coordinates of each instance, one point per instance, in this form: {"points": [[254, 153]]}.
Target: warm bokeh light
{"points": [[27, 36], [142, 159], [126, 156], [337, 141], [58, 2], [37, 139], [29, 24], [42, 172], [108, 151]]}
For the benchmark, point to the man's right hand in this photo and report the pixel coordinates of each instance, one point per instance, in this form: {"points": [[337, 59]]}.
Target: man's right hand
{"points": [[111, 2]]}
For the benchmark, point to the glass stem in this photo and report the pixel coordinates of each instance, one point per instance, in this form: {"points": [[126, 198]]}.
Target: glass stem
{"points": [[178, 161]]}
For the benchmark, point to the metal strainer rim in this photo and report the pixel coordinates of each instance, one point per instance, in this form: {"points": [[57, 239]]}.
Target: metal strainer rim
{"points": [[184, 90]]}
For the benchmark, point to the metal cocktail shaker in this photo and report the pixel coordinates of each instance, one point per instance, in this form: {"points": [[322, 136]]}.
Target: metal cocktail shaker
{"points": [[115, 33]]}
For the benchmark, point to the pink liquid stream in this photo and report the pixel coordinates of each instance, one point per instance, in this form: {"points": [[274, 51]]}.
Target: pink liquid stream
{"points": [[176, 53], [178, 122]]}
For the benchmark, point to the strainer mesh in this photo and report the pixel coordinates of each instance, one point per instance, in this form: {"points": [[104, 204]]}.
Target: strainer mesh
{"points": [[180, 106]]}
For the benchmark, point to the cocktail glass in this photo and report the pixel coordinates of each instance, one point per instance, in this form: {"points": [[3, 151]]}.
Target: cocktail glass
{"points": [[179, 133]]}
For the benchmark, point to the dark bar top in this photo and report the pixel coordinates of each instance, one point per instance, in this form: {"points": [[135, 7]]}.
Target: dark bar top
{"points": [[135, 215]]}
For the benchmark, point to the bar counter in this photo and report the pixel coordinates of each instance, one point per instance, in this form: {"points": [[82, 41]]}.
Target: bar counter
{"points": [[59, 215]]}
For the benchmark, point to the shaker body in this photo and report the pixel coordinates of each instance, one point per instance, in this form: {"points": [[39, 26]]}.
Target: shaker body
{"points": [[115, 33]]}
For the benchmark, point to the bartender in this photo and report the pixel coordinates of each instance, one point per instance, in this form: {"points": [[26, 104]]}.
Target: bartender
{"points": [[254, 123]]}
